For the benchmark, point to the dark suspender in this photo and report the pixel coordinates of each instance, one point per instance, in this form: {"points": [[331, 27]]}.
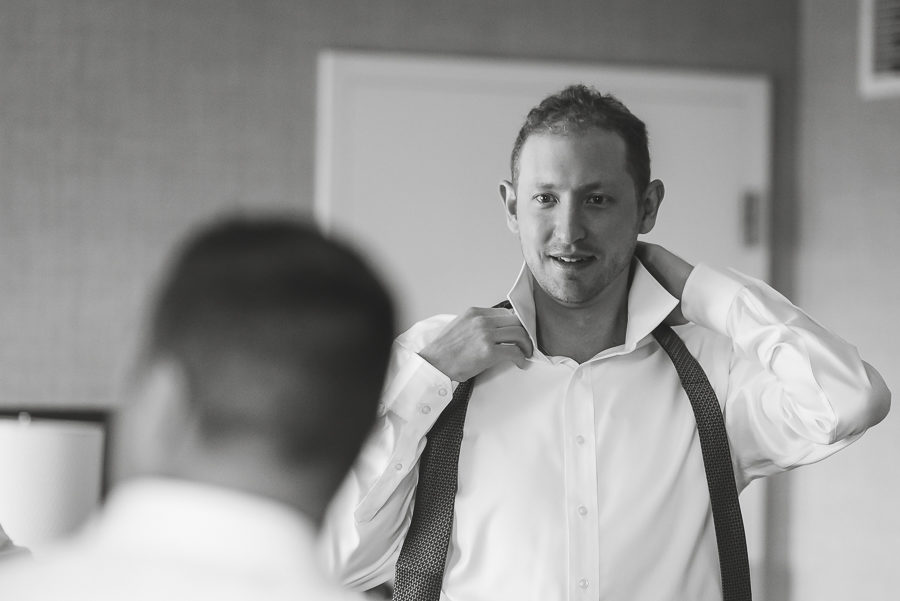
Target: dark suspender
{"points": [[419, 572], [734, 565]]}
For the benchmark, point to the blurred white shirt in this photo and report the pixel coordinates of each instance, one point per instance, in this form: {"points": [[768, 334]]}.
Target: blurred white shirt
{"points": [[587, 481], [173, 540]]}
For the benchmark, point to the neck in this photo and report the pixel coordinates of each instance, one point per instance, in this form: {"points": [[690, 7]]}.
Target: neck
{"points": [[253, 468], [581, 332]]}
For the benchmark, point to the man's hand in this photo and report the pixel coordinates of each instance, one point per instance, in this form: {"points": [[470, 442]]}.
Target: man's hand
{"points": [[669, 270], [477, 340]]}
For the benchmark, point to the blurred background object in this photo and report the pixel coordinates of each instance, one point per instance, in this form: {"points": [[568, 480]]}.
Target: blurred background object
{"points": [[10, 550], [52, 466]]}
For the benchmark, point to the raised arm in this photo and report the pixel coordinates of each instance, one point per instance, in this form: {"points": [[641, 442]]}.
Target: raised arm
{"points": [[368, 519], [796, 391]]}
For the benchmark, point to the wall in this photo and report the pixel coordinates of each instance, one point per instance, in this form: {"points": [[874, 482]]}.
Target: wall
{"points": [[846, 526], [125, 122]]}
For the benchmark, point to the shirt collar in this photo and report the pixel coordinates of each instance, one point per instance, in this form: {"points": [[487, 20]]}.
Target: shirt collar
{"points": [[649, 303]]}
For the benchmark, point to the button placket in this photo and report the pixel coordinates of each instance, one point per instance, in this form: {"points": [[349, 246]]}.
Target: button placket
{"points": [[581, 481]]}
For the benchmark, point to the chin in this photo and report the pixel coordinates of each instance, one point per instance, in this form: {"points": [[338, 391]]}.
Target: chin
{"points": [[573, 298]]}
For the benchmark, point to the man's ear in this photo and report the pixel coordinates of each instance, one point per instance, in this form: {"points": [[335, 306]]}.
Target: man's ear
{"points": [[508, 196], [649, 205], [152, 424]]}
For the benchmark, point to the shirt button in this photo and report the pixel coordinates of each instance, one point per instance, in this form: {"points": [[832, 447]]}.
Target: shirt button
{"points": [[579, 439], [583, 583], [398, 466], [425, 409], [582, 510], [442, 391]]}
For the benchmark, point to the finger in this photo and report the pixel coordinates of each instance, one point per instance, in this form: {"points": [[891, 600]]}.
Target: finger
{"points": [[641, 249], [515, 335], [512, 352], [488, 318], [488, 311], [487, 322], [503, 321]]}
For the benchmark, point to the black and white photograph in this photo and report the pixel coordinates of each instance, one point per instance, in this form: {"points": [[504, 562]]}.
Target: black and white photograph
{"points": [[476, 300]]}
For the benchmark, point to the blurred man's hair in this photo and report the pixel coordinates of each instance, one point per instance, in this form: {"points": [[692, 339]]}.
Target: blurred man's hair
{"points": [[579, 108], [282, 335]]}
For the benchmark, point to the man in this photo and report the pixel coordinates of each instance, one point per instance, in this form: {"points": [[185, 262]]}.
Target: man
{"points": [[259, 382], [580, 473]]}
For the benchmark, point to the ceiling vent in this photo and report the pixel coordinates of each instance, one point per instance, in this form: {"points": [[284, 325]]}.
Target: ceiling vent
{"points": [[879, 48]]}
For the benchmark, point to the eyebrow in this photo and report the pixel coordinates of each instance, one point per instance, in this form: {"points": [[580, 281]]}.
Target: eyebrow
{"points": [[588, 186]]}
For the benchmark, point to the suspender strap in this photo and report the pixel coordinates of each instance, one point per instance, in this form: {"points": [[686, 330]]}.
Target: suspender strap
{"points": [[419, 573], [420, 567], [733, 563]]}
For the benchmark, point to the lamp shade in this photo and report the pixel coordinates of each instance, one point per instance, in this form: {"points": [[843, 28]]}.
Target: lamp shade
{"points": [[51, 476]]}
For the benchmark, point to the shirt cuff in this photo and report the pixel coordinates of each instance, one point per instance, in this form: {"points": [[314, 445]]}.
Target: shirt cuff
{"points": [[426, 391], [708, 296]]}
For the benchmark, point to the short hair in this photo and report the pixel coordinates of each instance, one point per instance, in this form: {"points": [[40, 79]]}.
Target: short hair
{"points": [[281, 334], [579, 108]]}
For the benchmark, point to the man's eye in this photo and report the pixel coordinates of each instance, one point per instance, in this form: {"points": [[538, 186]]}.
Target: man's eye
{"points": [[599, 199], [544, 198]]}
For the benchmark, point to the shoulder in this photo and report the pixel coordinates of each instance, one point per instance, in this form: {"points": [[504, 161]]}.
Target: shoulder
{"points": [[700, 339], [712, 350], [57, 574]]}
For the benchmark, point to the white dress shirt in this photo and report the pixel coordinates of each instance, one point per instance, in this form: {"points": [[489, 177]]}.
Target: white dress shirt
{"points": [[586, 481], [172, 540]]}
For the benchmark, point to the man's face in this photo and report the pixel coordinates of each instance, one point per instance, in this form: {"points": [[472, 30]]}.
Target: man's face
{"points": [[576, 213]]}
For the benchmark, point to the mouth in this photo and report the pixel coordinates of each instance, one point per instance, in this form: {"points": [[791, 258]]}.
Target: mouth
{"points": [[572, 261]]}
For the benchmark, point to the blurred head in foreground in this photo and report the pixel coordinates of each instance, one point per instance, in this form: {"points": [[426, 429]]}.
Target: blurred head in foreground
{"points": [[263, 364]]}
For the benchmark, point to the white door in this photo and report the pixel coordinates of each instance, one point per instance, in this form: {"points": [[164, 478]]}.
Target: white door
{"points": [[411, 151]]}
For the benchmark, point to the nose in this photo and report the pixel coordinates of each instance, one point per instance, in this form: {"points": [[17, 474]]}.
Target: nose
{"points": [[569, 226]]}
